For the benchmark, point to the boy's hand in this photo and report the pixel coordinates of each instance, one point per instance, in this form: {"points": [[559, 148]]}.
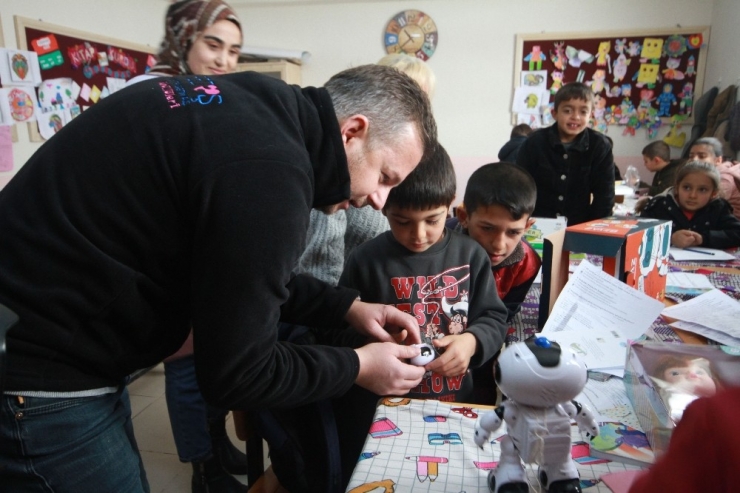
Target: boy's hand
{"points": [[383, 369], [383, 323], [454, 361]]}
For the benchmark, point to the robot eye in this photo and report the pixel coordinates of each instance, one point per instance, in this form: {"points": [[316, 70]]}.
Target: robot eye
{"points": [[516, 355]]}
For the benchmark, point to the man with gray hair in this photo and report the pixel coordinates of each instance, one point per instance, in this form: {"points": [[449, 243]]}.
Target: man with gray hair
{"points": [[709, 149], [186, 200]]}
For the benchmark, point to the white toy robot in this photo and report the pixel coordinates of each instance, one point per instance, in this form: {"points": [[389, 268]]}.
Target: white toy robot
{"points": [[539, 379]]}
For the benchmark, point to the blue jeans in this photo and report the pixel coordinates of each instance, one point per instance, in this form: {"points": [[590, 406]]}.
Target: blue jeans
{"points": [[75, 445], [189, 413]]}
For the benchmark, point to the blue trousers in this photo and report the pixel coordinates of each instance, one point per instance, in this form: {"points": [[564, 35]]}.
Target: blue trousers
{"points": [[189, 413], [69, 445]]}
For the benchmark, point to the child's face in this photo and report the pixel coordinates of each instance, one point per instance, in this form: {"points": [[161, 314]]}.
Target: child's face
{"points": [[704, 152], [695, 191], [417, 230], [693, 379], [495, 230], [572, 117], [653, 164]]}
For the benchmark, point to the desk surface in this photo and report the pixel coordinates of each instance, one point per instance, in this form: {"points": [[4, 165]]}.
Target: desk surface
{"points": [[428, 446]]}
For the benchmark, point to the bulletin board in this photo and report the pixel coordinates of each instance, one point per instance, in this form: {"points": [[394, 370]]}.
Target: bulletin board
{"points": [[13, 130], [88, 59], [637, 76]]}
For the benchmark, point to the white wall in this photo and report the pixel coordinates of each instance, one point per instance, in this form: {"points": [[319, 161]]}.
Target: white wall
{"points": [[473, 63], [723, 64]]}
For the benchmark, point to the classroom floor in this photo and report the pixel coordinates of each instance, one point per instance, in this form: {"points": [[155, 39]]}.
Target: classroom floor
{"points": [[164, 470]]}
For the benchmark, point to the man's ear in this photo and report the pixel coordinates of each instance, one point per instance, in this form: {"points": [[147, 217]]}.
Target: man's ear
{"points": [[462, 215], [530, 222], [354, 127]]}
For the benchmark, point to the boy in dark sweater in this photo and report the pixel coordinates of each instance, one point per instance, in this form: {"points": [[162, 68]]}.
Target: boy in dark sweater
{"points": [[440, 276], [496, 211], [510, 150], [571, 164], [657, 158]]}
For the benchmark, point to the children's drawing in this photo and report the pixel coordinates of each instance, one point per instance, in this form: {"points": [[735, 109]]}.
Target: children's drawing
{"points": [[22, 103], [634, 48], [665, 100], [18, 67], [687, 99], [559, 59], [652, 48], [51, 122], [620, 67], [535, 58], [56, 93], [557, 81], [691, 66], [577, 57], [673, 138], [648, 74], [536, 79], [526, 100], [696, 40], [671, 71], [675, 45], [603, 59], [620, 45], [597, 82]]}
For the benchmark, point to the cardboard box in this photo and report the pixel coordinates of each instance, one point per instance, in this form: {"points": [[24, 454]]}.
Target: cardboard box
{"points": [[634, 249], [659, 403]]}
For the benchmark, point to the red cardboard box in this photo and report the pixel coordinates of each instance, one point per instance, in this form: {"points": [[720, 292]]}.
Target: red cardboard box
{"points": [[634, 249]]}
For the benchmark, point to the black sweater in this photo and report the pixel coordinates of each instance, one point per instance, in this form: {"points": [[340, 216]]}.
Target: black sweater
{"points": [[714, 222], [567, 178], [177, 201]]}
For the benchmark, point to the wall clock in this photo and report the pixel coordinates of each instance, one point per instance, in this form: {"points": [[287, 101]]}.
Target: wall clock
{"points": [[412, 32]]}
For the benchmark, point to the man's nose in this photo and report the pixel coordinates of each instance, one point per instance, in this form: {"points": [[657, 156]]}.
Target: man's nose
{"points": [[377, 199]]}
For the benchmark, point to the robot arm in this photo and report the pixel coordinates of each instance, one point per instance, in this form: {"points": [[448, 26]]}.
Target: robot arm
{"points": [[583, 417], [487, 423]]}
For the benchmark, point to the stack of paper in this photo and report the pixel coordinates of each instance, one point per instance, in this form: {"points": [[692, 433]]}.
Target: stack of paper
{"points": [[596, 314], [699, 254], [712, 314], [688, 283]]}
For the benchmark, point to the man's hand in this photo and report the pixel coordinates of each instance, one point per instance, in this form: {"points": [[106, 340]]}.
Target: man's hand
{"points": [[383, 323], [456, 354], [383, 370]]}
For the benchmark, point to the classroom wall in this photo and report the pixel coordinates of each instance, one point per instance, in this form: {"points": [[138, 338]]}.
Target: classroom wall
{"points": [[473, 63]]}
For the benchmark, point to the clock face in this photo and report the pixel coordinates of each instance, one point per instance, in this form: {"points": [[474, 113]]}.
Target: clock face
{"points": [[412, 32]]}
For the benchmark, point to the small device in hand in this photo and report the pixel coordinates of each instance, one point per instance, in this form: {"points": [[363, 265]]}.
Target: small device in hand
{"points": [[426, 356]]}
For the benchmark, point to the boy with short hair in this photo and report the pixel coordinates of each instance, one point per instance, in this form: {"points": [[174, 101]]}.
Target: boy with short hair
{"points": [[440, 276], [572, 165], [496, 212], [510, 150], [657, 158]]}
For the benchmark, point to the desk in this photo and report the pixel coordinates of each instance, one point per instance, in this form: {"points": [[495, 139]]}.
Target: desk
{"points": [[425, 445]]}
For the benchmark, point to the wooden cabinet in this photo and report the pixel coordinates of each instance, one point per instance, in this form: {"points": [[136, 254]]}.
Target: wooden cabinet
{"points": [[280, 69]]}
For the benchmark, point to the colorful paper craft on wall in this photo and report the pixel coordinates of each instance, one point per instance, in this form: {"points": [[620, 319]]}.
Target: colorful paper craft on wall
{"points": [[637, 80], [74, 71], [19, 68]]}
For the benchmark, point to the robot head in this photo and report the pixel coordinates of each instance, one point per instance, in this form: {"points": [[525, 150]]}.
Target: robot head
{"points": [[539, 373]]}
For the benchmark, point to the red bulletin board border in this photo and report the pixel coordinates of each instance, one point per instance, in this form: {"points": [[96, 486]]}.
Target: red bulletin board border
{"points": [[589, 41], [28, 30]]}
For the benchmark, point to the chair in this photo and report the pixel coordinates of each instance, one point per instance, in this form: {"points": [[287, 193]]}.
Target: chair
{"points": [[8, 319]]}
